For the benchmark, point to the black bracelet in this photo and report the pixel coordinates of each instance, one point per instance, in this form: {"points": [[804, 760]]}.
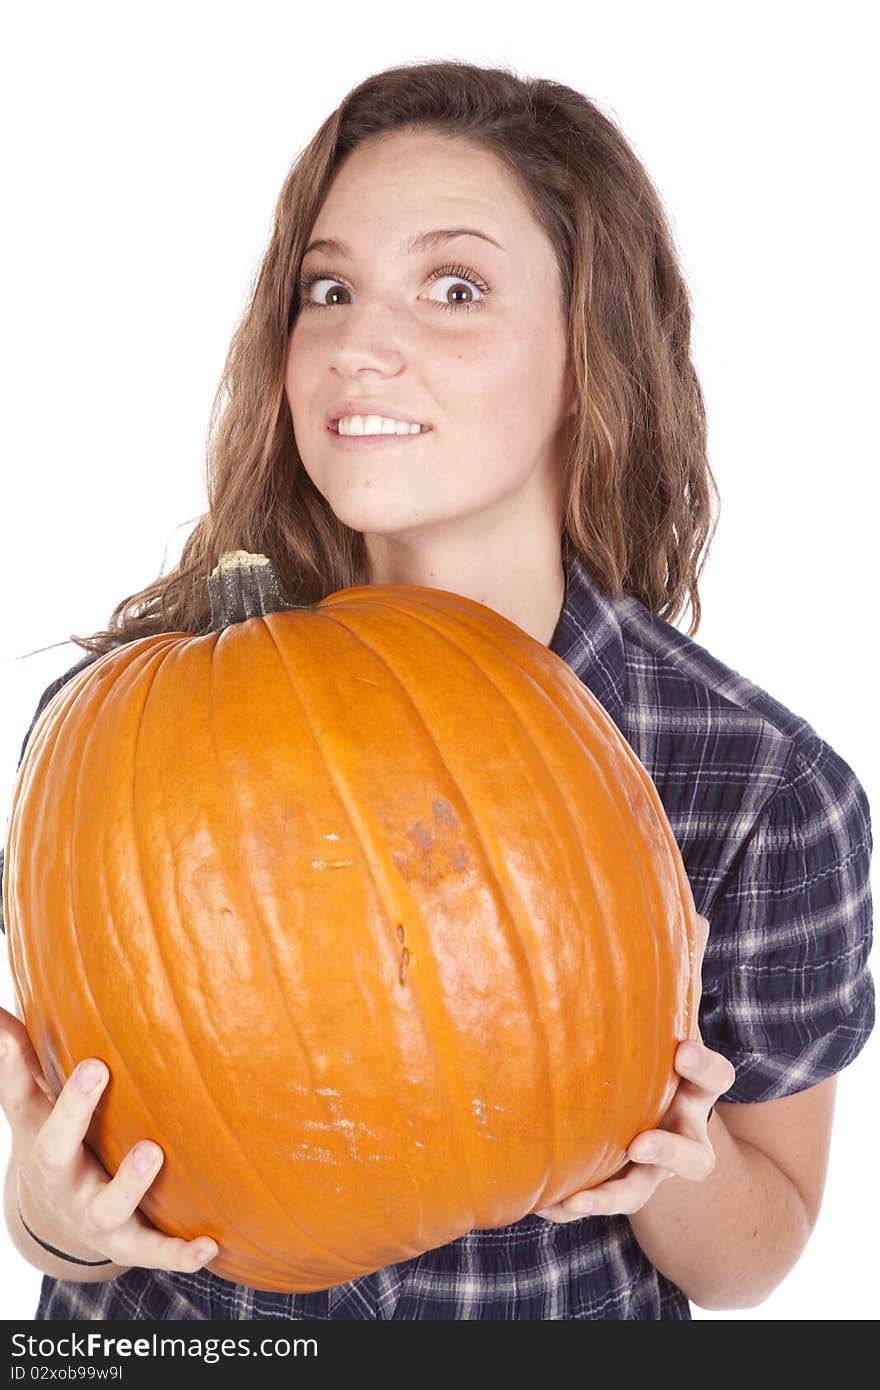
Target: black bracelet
{"points": [[73, 1259]]}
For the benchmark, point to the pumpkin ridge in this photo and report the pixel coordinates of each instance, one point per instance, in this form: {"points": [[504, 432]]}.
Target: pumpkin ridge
{"points": [[267, 954], [347, 801], [183, 1032], [513, 939], [614, 949], [48, 726], [34, 753], [249, 1161], [342, 1257], [600, 940], [556, 692], [81, 957]]}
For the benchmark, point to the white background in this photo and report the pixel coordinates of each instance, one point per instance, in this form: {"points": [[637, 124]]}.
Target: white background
{"points": [[144, 150]]}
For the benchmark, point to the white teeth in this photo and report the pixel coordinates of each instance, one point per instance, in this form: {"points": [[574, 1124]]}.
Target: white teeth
{"points": [[374, 424]]}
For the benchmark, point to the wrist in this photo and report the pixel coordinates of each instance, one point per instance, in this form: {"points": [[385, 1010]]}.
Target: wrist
{"points": [[45, 1232]]}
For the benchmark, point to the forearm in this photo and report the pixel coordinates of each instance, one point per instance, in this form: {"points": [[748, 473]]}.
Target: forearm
{"points": [[730, 1240], [31, 1251]]}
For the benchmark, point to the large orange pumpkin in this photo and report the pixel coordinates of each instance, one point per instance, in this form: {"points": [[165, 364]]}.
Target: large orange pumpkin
{"points": [[374, 915]]}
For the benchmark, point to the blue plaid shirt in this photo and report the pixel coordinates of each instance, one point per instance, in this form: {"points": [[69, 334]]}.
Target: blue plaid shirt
{"points": [[775, 832]]}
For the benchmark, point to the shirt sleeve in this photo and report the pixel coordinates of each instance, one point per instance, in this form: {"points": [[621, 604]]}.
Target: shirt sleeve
{"points": [[788, 996], [47, 695]]}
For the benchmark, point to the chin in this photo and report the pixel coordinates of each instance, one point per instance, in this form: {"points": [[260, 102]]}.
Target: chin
{"points": [[376, 516]]}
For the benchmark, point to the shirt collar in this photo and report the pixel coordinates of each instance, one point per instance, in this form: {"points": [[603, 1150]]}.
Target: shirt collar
{"points": [[588, 636]]}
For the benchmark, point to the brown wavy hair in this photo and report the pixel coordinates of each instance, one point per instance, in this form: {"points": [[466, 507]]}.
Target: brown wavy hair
{"points": [[638, 486]]}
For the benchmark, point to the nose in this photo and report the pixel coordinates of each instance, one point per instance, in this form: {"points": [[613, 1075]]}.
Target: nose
{"points": [[371, 337]]}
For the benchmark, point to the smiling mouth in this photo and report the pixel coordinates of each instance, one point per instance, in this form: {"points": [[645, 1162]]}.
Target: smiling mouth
{"points": [[378, 440], [404, 431]]}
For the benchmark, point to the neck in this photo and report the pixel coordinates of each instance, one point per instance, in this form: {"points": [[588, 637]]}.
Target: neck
{"points": [[524, 583]]}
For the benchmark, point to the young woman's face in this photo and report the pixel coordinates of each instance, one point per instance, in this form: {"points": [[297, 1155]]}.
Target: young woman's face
{"points": [[381, 325]]}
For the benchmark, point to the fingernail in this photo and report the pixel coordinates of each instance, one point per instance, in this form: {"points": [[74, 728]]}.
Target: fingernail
{"points": [[205, 1253], [144, 1157], [88, 1074]]}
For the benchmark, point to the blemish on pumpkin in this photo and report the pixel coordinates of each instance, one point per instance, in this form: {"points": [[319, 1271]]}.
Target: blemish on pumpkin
{"points": [[331, 836], [332, 863], [437, 853], [422, 835], [443, 812], [405, 955]]}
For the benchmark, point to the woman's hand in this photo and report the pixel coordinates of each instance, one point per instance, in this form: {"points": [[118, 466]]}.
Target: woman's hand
{"points": [[679, 1148], [63, 1179]]}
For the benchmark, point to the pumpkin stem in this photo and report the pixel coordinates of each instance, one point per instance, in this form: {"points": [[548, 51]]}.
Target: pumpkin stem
{"points": [[242, 586]]}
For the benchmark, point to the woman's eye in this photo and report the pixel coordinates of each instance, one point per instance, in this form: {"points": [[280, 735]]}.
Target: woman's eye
{"points": [[461, 285], [463, 288], [308, 282]]}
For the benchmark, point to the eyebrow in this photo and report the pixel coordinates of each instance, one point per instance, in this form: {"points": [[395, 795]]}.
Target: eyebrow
{"points": [[422, 241]]}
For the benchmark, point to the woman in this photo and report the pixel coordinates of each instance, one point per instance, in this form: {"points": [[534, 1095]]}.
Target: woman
{"points": [[484, 257]]}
